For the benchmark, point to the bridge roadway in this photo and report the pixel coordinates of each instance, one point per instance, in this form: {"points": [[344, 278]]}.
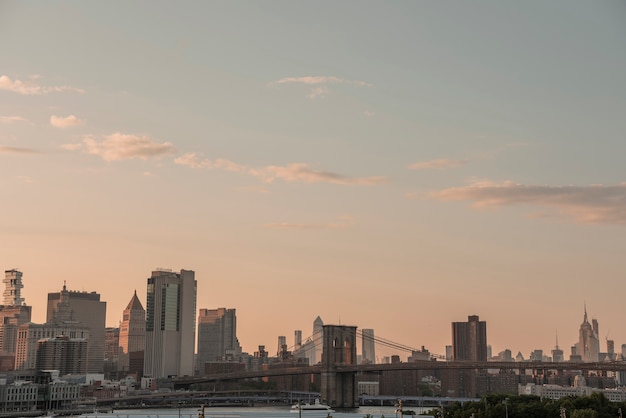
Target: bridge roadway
{"points": [[186, 381]]}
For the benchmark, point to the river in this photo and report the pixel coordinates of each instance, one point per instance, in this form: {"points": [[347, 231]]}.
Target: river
{"points": [[252, 412]]}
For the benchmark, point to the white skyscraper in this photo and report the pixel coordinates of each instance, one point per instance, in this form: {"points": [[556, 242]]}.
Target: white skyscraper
{"points": [[170, 324], [12, 288]]}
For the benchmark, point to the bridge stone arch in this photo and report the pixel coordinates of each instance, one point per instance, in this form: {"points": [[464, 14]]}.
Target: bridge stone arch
{"points": [[339, 389]]}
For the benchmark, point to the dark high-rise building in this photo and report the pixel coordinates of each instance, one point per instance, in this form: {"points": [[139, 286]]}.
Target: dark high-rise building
{"points": [[170, 324], [469, 339], [217, 337], [65, 354], [87, 308]]}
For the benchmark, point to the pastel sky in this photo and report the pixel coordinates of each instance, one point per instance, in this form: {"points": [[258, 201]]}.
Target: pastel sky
{"points": [[390, 165]]}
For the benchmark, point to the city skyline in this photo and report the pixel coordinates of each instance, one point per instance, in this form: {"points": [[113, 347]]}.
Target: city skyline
{"points": [[316, 324], [376, 164]]}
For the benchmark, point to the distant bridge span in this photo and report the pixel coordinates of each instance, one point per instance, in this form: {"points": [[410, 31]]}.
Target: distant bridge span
{"points": [[416, 365]]}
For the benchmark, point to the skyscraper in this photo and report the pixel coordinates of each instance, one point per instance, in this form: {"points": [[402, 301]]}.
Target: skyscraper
{"points": [[12, 288], [170, 324], [368, 353], [13, 312], [87, 308], [217, 336], [469, 339], [132, 338], [588, 346]]}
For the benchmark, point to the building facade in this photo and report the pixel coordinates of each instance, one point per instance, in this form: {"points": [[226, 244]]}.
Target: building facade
{"points": [[170, 324], [13, 312], [368, 350], [132, 340], [469, 339], [87, 308], [65, 354], [588, 347], [217, 337]]}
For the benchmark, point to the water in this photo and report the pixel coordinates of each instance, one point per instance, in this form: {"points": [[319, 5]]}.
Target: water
{"points": [[252, 412]]}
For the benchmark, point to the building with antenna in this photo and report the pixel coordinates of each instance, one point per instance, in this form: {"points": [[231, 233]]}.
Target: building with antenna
{"points": [[557, 353], [588, 346]]}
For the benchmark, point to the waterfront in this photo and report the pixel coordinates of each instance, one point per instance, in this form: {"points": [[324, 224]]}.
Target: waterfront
{"points": [[250, 412]]}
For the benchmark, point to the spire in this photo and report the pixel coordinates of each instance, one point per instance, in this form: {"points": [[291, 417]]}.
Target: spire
{"points": [[134, 303], [557, 339], [585, 319]]}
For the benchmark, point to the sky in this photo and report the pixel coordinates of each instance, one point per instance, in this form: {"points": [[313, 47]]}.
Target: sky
{"points": [[391, 165]]}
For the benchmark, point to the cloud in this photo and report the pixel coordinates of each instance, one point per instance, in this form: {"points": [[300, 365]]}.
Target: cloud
{"points": [[12, 119], [582, 204], [317, 93], [66, 122], [320, 80], [440, 164], [32, 88], [120, 146], [294, 172], [320, 90], [342, 223], [301, 172], [16, 150]]}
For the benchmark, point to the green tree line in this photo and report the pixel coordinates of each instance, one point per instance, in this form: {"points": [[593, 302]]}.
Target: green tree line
{"points": [[595, 405]]}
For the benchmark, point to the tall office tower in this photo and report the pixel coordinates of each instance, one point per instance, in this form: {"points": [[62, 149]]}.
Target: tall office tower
{"points": [[368, 353], [588, 342], [132, 338], [87, 308], [170, 324], [469, 339], [217, 337], [282, 345], [297, 339], [13, 313], [65, 354], [313, 345]]}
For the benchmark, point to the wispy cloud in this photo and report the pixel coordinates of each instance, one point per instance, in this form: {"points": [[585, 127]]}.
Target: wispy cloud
{"points": [[17, 150], [31, 87], [582, 204], [120, 146], [12, 119], [319, 83], [294, 172], [439, 164], [320, 80], [341, 223], [66, 122]]}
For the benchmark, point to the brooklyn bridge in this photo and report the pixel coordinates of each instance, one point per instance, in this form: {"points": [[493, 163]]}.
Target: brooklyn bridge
{"points": [[338, 373]]}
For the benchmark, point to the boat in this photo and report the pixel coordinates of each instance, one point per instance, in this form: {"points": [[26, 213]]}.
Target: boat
{"points": [[317, 406]]}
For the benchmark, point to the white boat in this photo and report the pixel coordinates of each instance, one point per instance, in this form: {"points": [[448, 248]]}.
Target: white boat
{"points": [[317, 407]]}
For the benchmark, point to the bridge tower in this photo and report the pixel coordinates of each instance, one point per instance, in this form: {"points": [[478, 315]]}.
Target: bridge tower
{"points": [[339, 389]]}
